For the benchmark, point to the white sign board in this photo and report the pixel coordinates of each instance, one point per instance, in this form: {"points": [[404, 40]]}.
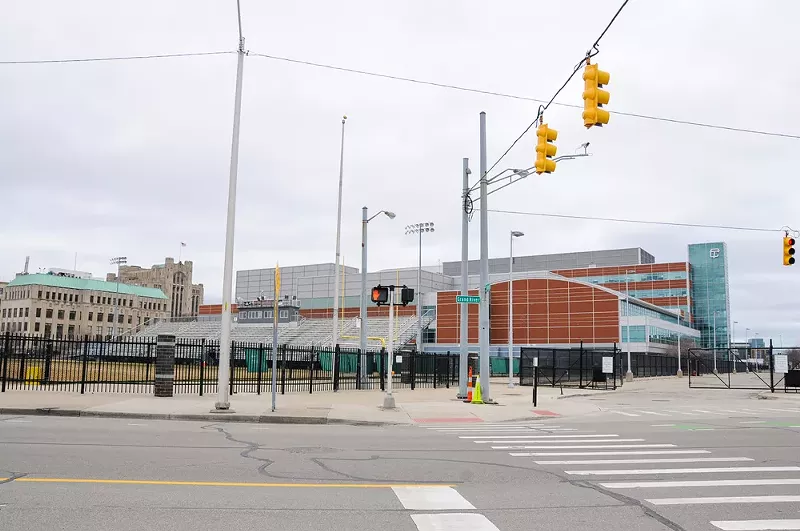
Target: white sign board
{"points": [[399, 359], [781, 363], [608, 364], [536, 361]]}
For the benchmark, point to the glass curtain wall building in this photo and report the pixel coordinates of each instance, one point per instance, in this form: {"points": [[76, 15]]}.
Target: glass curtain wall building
{"points": [[709, 293]]}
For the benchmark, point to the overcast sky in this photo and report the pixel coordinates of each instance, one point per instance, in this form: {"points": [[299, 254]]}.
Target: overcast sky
{"points": [[131, 157]]}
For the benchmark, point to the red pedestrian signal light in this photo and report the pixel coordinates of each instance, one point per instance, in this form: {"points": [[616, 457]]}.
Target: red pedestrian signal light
{"points": [[788, 251], [380, 295], [594, 97]]}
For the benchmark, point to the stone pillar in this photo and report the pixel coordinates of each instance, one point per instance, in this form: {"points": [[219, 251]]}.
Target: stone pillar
{"points": [[165, 365]]}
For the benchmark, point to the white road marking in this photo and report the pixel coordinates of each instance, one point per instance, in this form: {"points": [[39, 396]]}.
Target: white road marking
{"points": [[261, 428], [738, 412], [701, 483], [652, 413], [757, 525], [710, 412], [560, 429], [431, 498], [537, 436], [783, 410], [661, 425], [452, 522], [724, 499], [645, 461], [594, 446], [558, 442], [485, 430], [648, 471], [752, 422], [136, 424], [18, 421], [634, 452], [623, 413], [680, 412]]}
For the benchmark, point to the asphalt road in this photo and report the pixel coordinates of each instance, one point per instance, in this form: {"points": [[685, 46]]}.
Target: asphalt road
{"points": [[555, 474]]}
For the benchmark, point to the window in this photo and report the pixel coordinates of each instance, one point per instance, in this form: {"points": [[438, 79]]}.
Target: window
{"points": [[25, 327], [130, 321], [110, 317], [15, 314], [91, 299], [2, 327], [99, 317], [27, 310], [71, 331], [59, 331], [60, 314], [47, 330], [38, 312], [48, 313], [120, 318], [70, 297], [40, 294], [47, 295], [4, 312], [72, 317], [59, 298], [35, 327], [284, 314], [90, 315]]}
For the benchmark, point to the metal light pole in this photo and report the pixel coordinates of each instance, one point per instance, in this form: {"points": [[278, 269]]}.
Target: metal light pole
{"points": [[118, 261], [514, 234], [388, 398], [363, 311], [463, 358], [483, 331], [680, 372], [419, 229], [714, 345], [335, 336], [629, 374], [223, 372]]}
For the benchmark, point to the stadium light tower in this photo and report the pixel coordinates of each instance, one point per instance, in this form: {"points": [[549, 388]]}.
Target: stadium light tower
{"points": [[419, 229], [118, 261]]}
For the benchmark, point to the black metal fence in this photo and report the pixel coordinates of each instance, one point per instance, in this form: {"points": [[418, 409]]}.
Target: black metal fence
{"points": [[128, 366], [645, 365], [570, 367], [766, 368]]}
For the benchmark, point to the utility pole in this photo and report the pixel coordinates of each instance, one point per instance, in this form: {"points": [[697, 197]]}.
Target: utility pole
{"points": [[388, 399], [335, 337], [362, 343], [484, 289], [463, 358], [118, 261], [223, 372]]}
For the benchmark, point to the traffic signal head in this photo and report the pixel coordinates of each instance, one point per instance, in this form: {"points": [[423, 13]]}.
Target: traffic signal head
{"points": [[545, 150], [406, 295], [788, 251], [594, 97], [380, 295]]}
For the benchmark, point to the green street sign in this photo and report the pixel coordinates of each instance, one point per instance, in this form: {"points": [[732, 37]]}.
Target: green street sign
{"points": [[470, 299]]}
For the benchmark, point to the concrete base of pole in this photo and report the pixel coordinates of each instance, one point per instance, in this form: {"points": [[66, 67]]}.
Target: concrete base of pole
{"points": [[511, 386], [715, 371], [629, 376], [388, 401], [679, 374], [219, 407]]}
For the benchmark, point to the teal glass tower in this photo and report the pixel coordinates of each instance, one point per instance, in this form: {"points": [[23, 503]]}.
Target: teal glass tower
{"points": [[709, 292]]}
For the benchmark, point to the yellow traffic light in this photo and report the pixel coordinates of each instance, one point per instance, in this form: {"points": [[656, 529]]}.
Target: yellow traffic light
{"points": [[545, 150], [594, 97], [788, 251]]}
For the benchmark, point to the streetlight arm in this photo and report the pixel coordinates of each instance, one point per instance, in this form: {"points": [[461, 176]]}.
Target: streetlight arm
{"points": [[523, 173]]}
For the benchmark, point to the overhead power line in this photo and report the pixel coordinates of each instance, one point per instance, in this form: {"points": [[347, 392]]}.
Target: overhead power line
{"points": [[640, 221], [117, 58]]}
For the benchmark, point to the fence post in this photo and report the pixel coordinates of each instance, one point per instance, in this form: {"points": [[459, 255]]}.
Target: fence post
{"points": [[6, 349], [580, 374], [535, 382], [311, 372], [336, 352], [382, 368], [771, 369], [261, 364], [359, 376], [232, 368], [84, 364], [202, 365], [283, 370], [165, 366], [435, 368], [554, 368], [412, 370]]}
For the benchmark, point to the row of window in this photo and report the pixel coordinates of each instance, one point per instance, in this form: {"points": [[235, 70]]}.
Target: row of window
{"points": [[657, 335], [72, 330], [266, 314], [634, 277], [15, 294], [653, 293]]}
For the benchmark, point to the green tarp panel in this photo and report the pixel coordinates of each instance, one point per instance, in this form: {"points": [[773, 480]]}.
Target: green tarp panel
{"points": [[499, 365], [251, 357]]}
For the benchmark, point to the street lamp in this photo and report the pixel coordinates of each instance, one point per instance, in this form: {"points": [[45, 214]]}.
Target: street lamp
{"points": [[335, 336], [629, 374], [419, 228], [364, 221], [118, 261], [514, 234]]}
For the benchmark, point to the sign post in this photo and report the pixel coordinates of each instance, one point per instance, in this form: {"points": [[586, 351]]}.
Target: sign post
{"points": [[275, 334]]}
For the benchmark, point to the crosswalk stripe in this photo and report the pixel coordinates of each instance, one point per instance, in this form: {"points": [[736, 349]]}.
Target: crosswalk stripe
{"points": [[680, 412], [652, 413], [783, 410], [561, 441], [453, 521], [623, 413], [646, 461], [757, 525], [724, 499], [485, 430], [700, 483], [647, 471], [737, 411], [708, 412], [593, 446], [431, 498], [632, 452], [588, 436]]}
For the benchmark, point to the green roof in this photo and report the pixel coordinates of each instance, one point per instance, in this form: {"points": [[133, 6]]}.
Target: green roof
{"points": [[55, 281]]}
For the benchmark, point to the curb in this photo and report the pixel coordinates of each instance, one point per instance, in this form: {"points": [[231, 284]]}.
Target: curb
{"points": [[216, 417]]}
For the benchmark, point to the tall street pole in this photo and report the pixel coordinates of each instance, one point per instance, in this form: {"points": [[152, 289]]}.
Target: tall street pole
{"points": [[629, 374], [388, 398], [118, 261], [484, 289], [714, 344], [335, 337], [463, 358], [419, 297], [514, 234], [223, 373], [363, 310]]}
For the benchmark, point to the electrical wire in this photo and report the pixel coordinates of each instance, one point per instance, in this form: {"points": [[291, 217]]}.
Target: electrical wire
{"points": [[643, 222], [119, 58], [591, 53]]}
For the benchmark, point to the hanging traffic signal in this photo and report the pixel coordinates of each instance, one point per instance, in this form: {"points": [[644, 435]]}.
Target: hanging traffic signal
{"points": [[788, 251], [406, 295], [545, 150], [594, 97], [380, 295]]}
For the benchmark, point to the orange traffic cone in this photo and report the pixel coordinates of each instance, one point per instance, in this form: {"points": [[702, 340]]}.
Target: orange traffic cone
{"points": [[469, 386]]}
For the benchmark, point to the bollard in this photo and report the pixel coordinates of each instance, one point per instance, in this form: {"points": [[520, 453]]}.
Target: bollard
{"points": [[165, 366]]}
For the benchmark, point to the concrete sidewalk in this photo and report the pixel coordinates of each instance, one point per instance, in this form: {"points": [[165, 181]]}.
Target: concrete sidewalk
{"points": [[344, 407]]}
